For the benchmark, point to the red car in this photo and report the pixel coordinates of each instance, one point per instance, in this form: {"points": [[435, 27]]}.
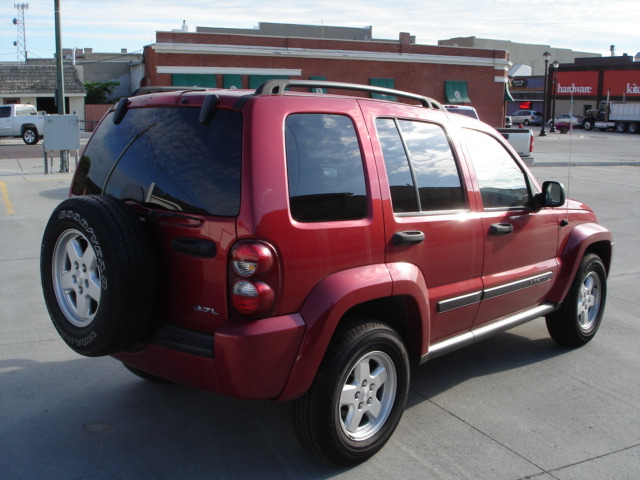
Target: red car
{"points": [[300, 246]]}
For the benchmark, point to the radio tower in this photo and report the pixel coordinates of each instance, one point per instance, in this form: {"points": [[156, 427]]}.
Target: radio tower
{"points": [[21, 42]]}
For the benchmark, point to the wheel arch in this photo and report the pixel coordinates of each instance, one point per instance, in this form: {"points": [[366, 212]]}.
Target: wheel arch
{"points": [[374, 291], [585, 238], [29, 125]]}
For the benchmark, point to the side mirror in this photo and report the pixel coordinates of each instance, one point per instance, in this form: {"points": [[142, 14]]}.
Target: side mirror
{"points": [[552, 195]]}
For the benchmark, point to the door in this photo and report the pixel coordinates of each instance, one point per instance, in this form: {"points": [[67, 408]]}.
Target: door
{"points": [[6, 122], [429, 223], [520, 241]]}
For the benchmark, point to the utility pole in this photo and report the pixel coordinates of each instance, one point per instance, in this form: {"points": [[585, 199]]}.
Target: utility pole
{"points": [[21, 41], [59, 71]]}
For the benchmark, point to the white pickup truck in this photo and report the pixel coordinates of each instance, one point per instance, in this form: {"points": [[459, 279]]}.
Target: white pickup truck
{"points": [[521, 139], [20, 120]]}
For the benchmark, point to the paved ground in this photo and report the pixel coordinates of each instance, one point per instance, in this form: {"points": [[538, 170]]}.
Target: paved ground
{"points": [[512, 407]]}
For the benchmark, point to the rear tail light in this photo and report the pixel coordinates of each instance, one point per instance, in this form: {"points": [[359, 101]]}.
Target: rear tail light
{"points": [[531, 143], [253, 278]]}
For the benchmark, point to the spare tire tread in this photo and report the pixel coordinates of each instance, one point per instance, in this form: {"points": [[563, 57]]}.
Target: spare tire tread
{"points": [[127, 274]]}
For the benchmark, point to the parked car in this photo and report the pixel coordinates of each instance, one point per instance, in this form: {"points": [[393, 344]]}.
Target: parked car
{"points": [[21, 120], [290, 245], [573, 120], [462, 110], [526, 117]]}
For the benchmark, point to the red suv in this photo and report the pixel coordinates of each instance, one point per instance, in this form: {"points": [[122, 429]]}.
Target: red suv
{"points": [[301, 246]]}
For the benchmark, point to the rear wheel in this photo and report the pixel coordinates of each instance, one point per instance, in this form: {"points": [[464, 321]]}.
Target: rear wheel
{"points": [[358, 395], [632, 128], [579, 318], [621, 127]]}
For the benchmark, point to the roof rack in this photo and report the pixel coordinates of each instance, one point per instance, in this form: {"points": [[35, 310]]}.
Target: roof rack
{"points": [[278, 86], [159, 89]]}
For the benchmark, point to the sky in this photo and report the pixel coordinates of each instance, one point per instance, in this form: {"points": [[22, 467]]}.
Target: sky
{"points": [[110, 25]]}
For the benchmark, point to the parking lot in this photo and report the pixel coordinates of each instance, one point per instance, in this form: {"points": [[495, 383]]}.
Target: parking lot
{"points": [[511, 407]]}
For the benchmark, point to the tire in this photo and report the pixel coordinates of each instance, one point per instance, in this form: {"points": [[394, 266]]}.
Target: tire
{"points": [[526, 123], [579, 317], [621, 127], [98, 275], [30, 136], [588, 125], [358, 395], [144, 375], [632, 128]]}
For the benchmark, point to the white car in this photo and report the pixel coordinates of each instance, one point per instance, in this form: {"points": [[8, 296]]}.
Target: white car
{"points": [[462, 110], [526, 117], [567, 119]]}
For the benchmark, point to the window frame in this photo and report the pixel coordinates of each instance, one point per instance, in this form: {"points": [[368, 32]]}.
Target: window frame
{"points": [[366, 213], [408, 157]]}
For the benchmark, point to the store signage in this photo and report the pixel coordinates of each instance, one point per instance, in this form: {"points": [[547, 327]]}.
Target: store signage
{"points": [[577, 83], [519, 82], [622, 83]]}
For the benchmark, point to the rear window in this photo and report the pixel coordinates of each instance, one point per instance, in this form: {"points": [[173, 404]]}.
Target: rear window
{"points": [[164, 158]]}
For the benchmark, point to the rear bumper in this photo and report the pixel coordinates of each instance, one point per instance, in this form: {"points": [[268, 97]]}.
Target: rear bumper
{"points": [[251, 359]]}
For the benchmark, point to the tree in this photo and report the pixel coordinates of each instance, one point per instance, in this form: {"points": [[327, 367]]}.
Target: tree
{"points": [[97, 92]]}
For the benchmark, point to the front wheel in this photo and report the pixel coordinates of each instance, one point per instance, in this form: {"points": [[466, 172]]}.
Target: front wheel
{"points": [[358, 395], [579, 317], [30, 136], [588, 125]]}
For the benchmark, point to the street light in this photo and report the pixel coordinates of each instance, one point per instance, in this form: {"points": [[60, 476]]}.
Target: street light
{"points": [[546, 56], [554, 89]]}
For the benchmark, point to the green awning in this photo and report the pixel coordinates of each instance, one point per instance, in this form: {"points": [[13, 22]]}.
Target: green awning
{"points": [[193, 80], [456, 92], [232, 81], [385, 83], [507, 94]]}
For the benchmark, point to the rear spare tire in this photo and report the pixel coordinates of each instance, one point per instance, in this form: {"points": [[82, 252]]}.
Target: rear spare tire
{"points": [[98, 275]]}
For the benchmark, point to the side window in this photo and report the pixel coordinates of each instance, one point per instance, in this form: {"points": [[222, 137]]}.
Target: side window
{"points": [[502, 183], [324, 168], [422, 171], [5, 112]]}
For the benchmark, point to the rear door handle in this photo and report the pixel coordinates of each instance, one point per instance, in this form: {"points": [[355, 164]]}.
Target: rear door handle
{"points": [[500, 229], [408, 237]]}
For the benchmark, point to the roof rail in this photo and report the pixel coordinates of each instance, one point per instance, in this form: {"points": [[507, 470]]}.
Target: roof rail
{"points": [[159, 89], [278, 86]]}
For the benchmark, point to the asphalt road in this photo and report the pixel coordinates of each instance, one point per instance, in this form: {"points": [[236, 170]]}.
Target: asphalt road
{"points": [[511, 407]]}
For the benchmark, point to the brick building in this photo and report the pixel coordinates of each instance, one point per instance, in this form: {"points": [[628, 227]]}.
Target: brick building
{"points": [[225, 59]]}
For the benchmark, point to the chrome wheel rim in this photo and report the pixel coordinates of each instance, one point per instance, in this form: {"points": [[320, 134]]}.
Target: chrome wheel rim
{"points": [[29, 136], [367, 396], [589, 299], [76, 278]]}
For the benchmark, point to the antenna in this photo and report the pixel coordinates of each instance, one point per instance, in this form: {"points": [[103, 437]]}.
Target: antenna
{"points": [[21, 42]]}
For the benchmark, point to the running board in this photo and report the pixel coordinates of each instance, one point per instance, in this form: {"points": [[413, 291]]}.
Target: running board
{"points": [[480, 333]]}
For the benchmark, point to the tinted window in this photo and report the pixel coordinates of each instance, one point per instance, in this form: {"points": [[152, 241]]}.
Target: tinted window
{"points": [[324, 168], [5, 112], [164, 157], [502, 183], [422, 171]]}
